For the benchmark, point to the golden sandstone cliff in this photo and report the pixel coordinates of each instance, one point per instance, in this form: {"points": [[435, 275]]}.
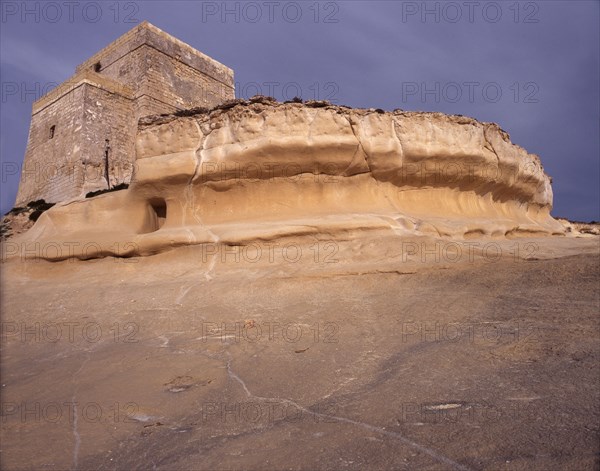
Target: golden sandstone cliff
{"points": [[259, 170]]}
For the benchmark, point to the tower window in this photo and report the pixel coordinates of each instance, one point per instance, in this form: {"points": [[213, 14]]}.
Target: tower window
{"points": [[97, 67], [52, 129]]}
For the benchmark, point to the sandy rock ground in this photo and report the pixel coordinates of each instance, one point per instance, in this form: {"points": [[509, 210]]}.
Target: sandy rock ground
{"points": [[376, 352]]}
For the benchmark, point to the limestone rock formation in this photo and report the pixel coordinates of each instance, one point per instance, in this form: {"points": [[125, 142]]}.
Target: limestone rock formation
{"points": [[261, 170]]}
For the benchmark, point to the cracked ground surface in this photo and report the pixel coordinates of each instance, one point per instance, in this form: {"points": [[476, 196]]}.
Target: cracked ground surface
{"points": [[378, 361]]}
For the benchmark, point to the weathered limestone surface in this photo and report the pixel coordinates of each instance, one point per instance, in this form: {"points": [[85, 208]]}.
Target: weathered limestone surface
{"points": [[260, 170]]}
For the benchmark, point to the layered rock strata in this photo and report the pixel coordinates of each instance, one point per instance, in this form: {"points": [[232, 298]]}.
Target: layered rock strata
{"points": [[259, 170]]}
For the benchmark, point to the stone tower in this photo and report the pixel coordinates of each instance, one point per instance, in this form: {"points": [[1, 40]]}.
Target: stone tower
{"points": [[82, 133]]}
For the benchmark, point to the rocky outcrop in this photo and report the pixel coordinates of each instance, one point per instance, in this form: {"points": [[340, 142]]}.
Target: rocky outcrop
{"points": [[260, 170]]}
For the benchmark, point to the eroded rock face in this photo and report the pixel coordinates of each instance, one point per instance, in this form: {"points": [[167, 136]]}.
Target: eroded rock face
{"points": [[261, 171]]}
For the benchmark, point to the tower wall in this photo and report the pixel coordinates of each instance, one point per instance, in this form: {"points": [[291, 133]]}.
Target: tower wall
{"points": [[95, 113], [168, 72], [65, 156], [176, 83], [108, 143], [51, 170]]}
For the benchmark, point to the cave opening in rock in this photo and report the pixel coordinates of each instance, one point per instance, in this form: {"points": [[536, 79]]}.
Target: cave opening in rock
{"points": [[158, 208]]}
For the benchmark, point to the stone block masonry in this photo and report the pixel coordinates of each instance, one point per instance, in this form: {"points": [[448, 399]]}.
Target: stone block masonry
{"points": [[82, 133]]}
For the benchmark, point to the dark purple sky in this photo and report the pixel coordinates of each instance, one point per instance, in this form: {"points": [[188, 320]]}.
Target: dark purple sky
{"points": [[532, 67]]}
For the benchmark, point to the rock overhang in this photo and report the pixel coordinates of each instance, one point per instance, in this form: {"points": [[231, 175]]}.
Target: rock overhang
{"points": [[249, 169]]}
